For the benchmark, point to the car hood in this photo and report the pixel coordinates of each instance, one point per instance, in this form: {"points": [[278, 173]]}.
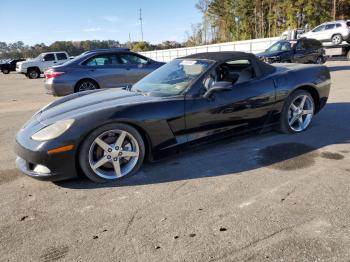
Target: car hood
{"points": [[28, 62], [82, 103]]}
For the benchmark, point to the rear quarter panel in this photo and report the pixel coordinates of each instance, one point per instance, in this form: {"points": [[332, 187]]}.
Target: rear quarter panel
{"points": [[292, 77]]}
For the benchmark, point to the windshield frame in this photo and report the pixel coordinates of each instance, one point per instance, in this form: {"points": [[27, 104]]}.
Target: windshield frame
{"points": [[191, 83]]}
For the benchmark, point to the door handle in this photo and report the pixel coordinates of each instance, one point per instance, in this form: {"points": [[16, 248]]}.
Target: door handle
{"points": [[55, 62]]}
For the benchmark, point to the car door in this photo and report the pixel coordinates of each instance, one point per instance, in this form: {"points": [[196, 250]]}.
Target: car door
{"points": [[300, 55], [106, 70], [248, 105], [48, 61], [310, 51], [329, 31], [316, 50], [137, 66], [317, 33]]}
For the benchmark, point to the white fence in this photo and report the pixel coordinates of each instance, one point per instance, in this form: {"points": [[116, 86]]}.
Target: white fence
{"points": [[251, 46]]}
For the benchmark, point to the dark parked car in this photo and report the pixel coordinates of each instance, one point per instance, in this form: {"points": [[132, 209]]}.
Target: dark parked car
{"points": [[108, 133], [102, 68], [304, 51], [9, 66]]}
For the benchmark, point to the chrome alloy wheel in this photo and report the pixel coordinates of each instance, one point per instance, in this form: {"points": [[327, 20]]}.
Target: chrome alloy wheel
{"points": [[300, 113], [113, 154]]}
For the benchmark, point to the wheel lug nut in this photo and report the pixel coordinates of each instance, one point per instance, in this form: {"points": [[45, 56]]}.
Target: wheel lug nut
{"points": [[109, 150], [120, 153], [115, 159], [117, 148], [109, 157]]}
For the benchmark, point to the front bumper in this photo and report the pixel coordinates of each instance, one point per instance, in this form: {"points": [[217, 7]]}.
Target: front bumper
{"points": [[26, 169], [21, 70], [60, 166]]}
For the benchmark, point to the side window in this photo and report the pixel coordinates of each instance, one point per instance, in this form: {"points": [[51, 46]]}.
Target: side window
{"points": [[330, 26], [49, 57], [348, 23], [319, 28], [237, 71], [61, 56], [339, 25], [102, 60], [132, 59]]}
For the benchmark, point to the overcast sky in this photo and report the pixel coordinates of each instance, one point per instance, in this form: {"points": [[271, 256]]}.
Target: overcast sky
{"points": [[48, 20]]}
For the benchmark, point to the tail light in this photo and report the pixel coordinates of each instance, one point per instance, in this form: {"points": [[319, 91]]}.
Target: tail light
{"points": [[52, 74]]}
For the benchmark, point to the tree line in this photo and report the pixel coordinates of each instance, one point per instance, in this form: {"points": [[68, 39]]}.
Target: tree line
{"points": [[74, 48], [222, 21], [233, 20]]}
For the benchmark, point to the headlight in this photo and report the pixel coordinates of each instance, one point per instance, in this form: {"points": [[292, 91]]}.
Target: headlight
{"points": [[53, 131]]}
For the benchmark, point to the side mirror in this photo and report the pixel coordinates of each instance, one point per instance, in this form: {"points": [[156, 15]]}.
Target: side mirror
{"points": [[43, 60], [217, 87]]}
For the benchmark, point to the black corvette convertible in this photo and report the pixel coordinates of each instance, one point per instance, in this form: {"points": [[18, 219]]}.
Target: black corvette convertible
{"points": [[108, 133]]}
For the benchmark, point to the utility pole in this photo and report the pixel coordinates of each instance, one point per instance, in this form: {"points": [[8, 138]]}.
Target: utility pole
{"points": [[141, 24], [334, 9]]}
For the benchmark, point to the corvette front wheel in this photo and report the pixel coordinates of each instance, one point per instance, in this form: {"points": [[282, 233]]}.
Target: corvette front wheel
{"points": [[112, 152]]}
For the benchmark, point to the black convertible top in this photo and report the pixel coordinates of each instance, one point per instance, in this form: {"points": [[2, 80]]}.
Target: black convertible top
{"points": [[222, 57]]}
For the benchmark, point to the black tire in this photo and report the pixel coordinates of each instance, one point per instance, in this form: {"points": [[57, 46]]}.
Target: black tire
{"points": [[5, 71], [85, 85], [337, 39], [33, 73], [284, 123], [88, 142]]}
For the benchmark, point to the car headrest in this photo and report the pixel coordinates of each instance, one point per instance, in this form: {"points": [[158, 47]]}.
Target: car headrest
{"points": [[209, 82], [245, 75]]}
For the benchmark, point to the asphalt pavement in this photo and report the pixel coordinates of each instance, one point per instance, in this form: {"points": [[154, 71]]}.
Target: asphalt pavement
{"points": [[268, 197]]}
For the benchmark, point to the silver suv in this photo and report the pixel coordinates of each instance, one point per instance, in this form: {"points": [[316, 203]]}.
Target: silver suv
{"points": [[335, 32]]}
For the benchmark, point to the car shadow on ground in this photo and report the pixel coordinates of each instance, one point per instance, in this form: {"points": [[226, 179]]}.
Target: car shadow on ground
{"points": [[236, 155]]}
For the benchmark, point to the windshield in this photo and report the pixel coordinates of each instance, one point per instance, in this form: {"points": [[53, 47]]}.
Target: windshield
{"points": [[280, 46], [172, 78]]}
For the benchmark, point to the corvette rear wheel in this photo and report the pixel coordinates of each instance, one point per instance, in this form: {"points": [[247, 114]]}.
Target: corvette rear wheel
{"points": [[112, 152], [5, 71], [297, 112]]}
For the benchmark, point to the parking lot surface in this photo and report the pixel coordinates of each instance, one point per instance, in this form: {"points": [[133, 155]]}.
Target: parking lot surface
{"points": [[271, 197]]}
